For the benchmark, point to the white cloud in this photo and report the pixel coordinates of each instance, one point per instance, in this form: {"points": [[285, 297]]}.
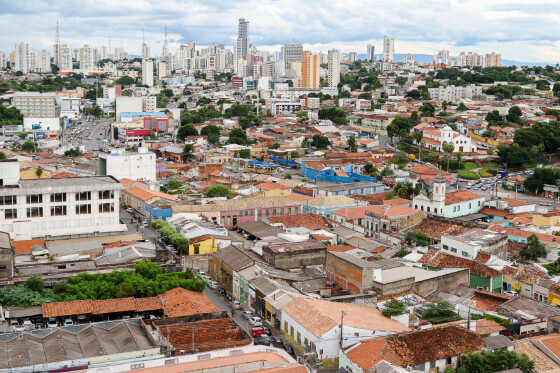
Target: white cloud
{"points": [[520, 30]]}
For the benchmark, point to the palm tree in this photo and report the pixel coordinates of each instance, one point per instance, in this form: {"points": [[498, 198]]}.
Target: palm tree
{"points": [[401, 189], [447, 148]]}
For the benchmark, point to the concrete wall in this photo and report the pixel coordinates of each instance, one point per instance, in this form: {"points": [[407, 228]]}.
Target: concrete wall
{"points": [[292, 260]]}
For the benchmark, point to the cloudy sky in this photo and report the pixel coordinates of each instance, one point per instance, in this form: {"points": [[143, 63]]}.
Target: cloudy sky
{"points": [[522, 30]]}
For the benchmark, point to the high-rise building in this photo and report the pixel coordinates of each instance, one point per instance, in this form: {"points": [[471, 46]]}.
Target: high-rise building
{"points": [[370, 53], [65, 58], [352, 56], [56, 51], [242, 39], [39, 61], [492, 60], [87, 58], [310, 70], [292, 53], [145, 49], [22, 57], [165, 52], [103, 53], [2, 60], [334, 68], [162, 70], [388, 49], [442, 57], [148, 73]]}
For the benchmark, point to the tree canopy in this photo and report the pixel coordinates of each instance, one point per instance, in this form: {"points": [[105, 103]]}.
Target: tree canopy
{"points": [[496, 361], [533, 249], [336, 115], [185, 131], [320, 142], [218, 190]]}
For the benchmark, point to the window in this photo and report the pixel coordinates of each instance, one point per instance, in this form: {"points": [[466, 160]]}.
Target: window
{"points": [[470, 206], [286, 326], [8, 200], [35, 198], [106, 207], [83, 196], [267, 213], [453, 250], [454, 208], [106, 194], [458, 208], [448, 361], [247, 213], [260, 213], [445, 247], [281, 211], [35, 212], [136, 366], [432, 364], [306, 342], [289, 211], [58, 197], [83, 209], [58, 210], [464, 253], [196, 248], [252, 212], [292, 331], [298, 338], [479, 203], [10, 214], [297, 208], [273, 212]]}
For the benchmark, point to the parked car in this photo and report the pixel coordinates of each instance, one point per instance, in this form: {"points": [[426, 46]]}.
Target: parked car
{"points": [[255, 332], [27, 322], [236, 305], [511, 293], [212, 284], [52, 323], [255, 321], [233, 228], [277, 342], [229, 298], [289, 349], [129, 210], [247, 314], [14, 322], [204, 277], [68, 321], [266, 330], [222, 291], [262, 339]]}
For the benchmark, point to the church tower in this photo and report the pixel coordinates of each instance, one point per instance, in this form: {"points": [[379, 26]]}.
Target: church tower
{"points": [[438, 193]]}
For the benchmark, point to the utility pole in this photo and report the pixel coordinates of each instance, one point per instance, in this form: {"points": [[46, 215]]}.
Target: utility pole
{"points": [[342, 314], [193, 330]]}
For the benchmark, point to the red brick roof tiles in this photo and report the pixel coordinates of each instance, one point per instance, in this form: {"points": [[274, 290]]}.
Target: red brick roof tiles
{"points": [[460, 196], [440, 259], [182, 302]]}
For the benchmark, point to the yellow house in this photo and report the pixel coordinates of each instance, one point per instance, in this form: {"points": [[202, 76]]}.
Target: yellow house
{"points": [[258, 150], [33, 174], [550, 219], [203, 245], [554, 295], [270, 189]]}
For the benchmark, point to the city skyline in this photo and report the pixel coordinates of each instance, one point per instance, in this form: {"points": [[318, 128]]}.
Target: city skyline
{"points": [[511, 31]]}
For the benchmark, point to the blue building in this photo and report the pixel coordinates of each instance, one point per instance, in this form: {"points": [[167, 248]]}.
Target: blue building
{"points": [[340, 174], [360, 187], [158, 210]]}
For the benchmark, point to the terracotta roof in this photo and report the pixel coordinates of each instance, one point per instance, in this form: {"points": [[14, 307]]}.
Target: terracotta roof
{"points": [[528, 274], [340, 248], [437, 228], [551, 341], [320, 316], [64, 174], [271, 186], [460, 196], [182, 302], [148, 304], [516, 203], [77, 307], [24, 247], [440, 259], [494, 212], [128, 182], [204, 237], [427, 170], [484, 327], [146, 194], [309, 221], [113, 305], [416, 347]]}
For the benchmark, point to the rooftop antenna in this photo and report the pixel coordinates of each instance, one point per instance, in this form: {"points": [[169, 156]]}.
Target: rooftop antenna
{"points": [[57, 34]]}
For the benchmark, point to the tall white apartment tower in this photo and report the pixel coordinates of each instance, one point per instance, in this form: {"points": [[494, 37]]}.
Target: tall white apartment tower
{"points": [[2, 60], [370, 53], [292, 53], [334, 68], [242, 39], [87, 58], [22, 57], [65, 58], [148, 73], [388, 49]]}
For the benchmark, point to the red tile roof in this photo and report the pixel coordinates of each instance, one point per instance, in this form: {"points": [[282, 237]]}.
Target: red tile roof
{"points": [[182, 302], [440, 259], [24, 247], [460, 196], [309, 221]]}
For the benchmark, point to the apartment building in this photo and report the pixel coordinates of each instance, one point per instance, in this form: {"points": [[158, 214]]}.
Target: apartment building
{"points": [[66, 207], [135, 166], [334, 68], [292, 53], [454, 93], [310, 70], [36, 104]]}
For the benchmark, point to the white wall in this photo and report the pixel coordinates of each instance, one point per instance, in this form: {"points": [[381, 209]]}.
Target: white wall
{"points": [[52, 124]]}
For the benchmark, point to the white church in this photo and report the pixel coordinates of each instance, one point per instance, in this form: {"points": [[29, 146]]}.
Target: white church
{"points": [[434, 139]]}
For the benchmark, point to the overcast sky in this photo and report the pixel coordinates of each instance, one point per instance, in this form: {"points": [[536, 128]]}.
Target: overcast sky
{"points": [[521, 30]]}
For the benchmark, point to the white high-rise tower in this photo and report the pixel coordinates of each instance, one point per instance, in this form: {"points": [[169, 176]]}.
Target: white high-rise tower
{"points": [[388, 49]]}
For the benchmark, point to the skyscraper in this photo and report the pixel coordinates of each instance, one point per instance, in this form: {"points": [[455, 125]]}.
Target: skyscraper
{"points": [[65, 58], [370, 53], [388, 49], [442, 57], [22, 57], [292, 53], [242, 39], [148, 72], [87, 58], [334, 68], [310, 68]]}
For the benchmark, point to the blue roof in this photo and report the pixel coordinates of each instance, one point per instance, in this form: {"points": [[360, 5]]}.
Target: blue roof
{"points": [[148, 114]]}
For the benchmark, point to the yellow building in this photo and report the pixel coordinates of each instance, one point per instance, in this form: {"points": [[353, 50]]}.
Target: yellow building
{"points": [[310, 70], [33, 174], [203, 245], [554, 295], [258, 150], [270, 189], [552, 218]]}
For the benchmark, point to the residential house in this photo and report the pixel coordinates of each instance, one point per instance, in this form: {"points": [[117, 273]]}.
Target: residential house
{"points": [[294, 255], [137, 198], [390, 218], [469, 244], [481, 276], [522, 279], [227, 262], [531, 314], [271, 189], [316, 324], [203, 245], [427, 174], [426, 350], [327, 205]]}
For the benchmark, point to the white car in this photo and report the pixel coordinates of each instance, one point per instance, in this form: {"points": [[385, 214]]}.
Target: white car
{"points": [[129, 210], [510, 293], [212, 284], [255, 321], [204, 277], [247, 314], [52, 323], [68, 321], [236, 305]]}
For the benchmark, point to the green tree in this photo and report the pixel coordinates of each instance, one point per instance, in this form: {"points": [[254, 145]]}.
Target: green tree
{"points": [[210, 129], [393, 307], [185, 131], [22, 135], [514, 114], [39, 171], [399, 127], [491, 150], [244, 153], [125, 290], [237, 136], [352, 143], [125, 80], [336, 115], [148, 270], [320, 142], [218, 190], [533, 249], [188, 150], [35, 283], [440, 312], [448, 148], [418, 237], [493, 116], [414, 94], [370, 169], [427, 109], [462, 107], [403, 189], [2, 155], [28, 146], [213, 138], [497, 361]]}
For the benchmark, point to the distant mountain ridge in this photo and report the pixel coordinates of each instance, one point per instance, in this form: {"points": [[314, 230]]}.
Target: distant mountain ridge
{"points": [[428, 58]]}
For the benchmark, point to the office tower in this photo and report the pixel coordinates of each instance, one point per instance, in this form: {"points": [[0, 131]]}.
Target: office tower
{"points": [[2, 60], [388, 49], [310, 70], [242, 39], [56, 47], [442, 57], [352, 56], [292, 53], [65, 58], [334, 68], [87, 58], [370, 53], [145, 48], [22, 57], [492, 60], [148, 73]]}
